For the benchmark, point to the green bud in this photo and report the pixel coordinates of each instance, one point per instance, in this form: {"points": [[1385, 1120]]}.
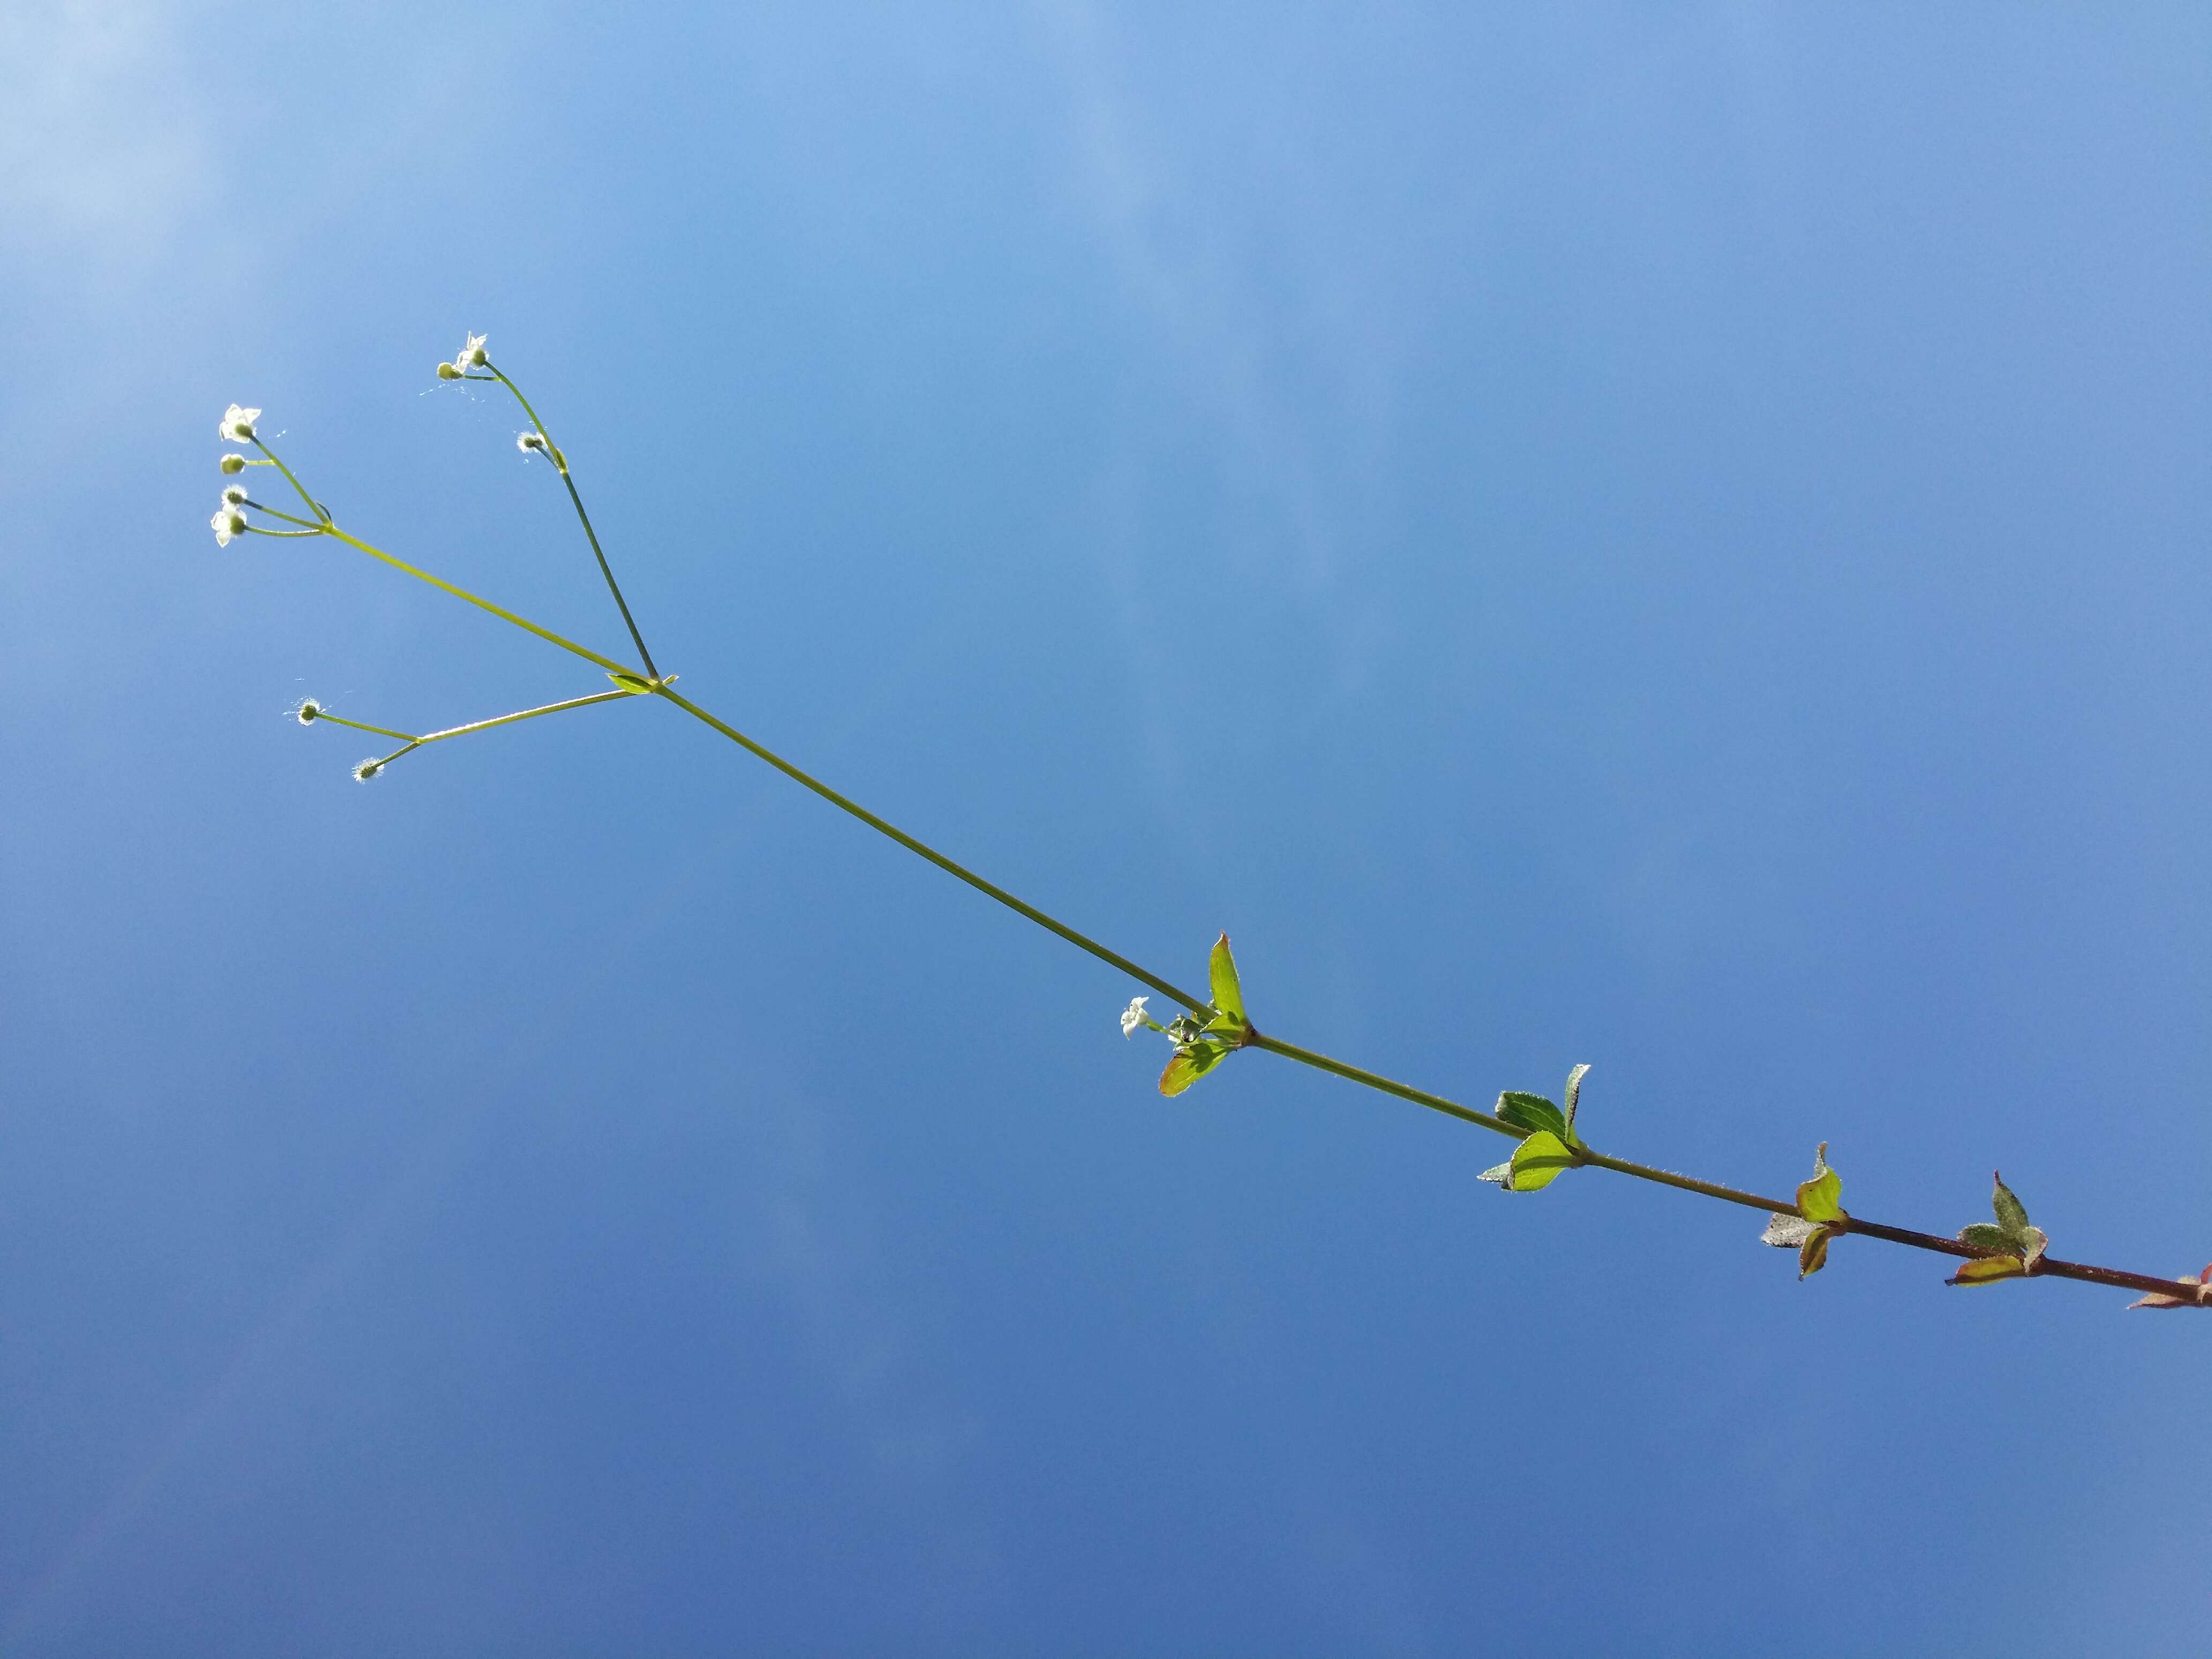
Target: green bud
{"points": [[448, 372], [232, 464]]}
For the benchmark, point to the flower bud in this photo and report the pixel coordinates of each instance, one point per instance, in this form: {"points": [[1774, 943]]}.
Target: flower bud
{"points": [[367, 769], [448, 372], [531, 443], [235, 495], [306, 711], [233, 464]]}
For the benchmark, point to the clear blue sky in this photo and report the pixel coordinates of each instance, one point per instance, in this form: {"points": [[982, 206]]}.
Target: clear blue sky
{"points": [[1672, 537]]}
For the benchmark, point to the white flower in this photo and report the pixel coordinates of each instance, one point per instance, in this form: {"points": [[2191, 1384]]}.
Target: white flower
{"points": [[306, 711], [235, 496], [367, 769], [238, 424], [531, 443], [228, 521], [1133, 1016], [472, 356]]}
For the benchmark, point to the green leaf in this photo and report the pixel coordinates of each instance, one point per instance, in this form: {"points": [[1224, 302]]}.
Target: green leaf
{"points": [[1988, 1270], [1537, 1162], [1228, 995], [1986, 1236], [1813, 1254], [2012, 1215], [1191, 1062], [631, 683], [1573, 1097], [1532, 1113], [1820, 1198]]}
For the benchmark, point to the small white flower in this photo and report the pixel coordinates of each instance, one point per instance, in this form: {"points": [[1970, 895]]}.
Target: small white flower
{"points": [[472, 355], [238, 424], [1133, 1016], [367, 769], [235, 495], [228, 521], [306, 711], [232, 464], [531, 443]]}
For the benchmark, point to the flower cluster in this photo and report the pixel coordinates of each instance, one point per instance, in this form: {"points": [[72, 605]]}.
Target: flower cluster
{"points": [[471, 355]]}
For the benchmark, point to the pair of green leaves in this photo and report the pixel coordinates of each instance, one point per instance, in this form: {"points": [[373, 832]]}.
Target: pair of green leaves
{"points": [[1201, 1047], [1820, 1218], [1550, 1143], [2014, 1247]]}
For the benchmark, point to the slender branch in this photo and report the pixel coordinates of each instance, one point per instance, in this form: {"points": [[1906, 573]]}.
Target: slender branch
{"points": [[380, 731], [315, 525], [1051, 924], [313, 505], [561, 465], [522, 714], [500, 611]]}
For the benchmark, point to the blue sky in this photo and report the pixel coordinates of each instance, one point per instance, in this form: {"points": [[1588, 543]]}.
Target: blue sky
{"points": [[1667, 537]]}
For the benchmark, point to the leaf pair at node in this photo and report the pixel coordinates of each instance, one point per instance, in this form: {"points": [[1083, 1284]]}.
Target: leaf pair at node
{"points": [[1202, 1045], [1548, 1143], [2015, 1248], [1820, 1218]]}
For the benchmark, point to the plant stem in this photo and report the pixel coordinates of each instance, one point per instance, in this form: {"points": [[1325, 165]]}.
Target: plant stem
{"points": [[1051, 924], [500, 611], [380, 731], [561, 466], [313, 505], [522, 714]]}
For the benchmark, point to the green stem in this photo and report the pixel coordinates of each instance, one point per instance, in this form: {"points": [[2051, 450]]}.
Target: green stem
{"points": [[561, 466], [315, 524], [380, 731], [522, 714], [500, 611], [313, 505], [1051, 924]]}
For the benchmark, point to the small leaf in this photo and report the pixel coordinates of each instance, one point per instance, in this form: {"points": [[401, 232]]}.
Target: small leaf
{"points": [[2036, 1243], [1537, 1162], [1987, 1270], [1228, 995], [1190, 1063], [1986, 1236], [631, 683], [1500, 1173], [2012, 1215], [1532, 1113], [1813, 1255], [1573, 1096], [1819, 1199]]}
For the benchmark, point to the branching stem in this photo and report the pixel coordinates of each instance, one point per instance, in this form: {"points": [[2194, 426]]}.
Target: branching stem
{"points": [[2044, 1267]]}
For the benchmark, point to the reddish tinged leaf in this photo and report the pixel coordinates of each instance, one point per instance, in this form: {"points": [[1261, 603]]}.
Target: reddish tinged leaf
{"points": [[2200, 1293]]}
